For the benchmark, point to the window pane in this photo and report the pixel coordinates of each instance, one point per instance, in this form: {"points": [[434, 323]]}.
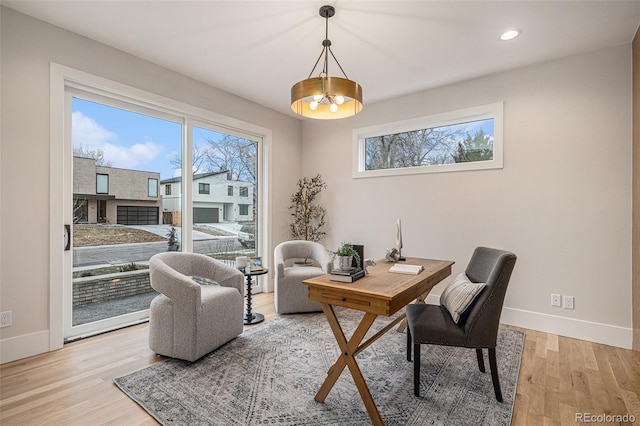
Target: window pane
{"points": [[102, 184], [119, 159], [153, 187], [167, 189], [459, 143], [203, 188], [224, 220]]}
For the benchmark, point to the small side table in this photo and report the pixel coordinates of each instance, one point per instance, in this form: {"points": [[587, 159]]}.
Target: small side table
{"points": [[249, 317]]}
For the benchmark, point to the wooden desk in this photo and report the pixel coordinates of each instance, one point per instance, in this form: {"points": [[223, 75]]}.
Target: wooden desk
{"points": [[379, 293]]}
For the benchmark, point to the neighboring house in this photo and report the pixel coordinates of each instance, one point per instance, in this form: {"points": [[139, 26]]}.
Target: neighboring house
{"points": [[112, 195], [216, 198]]}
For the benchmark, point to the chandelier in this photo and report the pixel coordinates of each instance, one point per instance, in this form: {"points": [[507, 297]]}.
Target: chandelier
{"points": [[326, 97]]}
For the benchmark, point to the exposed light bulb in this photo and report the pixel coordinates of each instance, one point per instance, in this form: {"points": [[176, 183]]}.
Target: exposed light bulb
{"points": [[317, 98], [313, 105], [339, 100], [510, 35], [333, 108]]}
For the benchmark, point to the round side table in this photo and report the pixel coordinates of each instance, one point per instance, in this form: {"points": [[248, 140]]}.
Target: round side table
{"points": [[250, 317]]}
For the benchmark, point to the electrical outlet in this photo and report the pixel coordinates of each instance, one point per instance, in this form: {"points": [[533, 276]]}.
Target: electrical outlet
{"points": [[5, 319], [567, 302], [555, 300]]}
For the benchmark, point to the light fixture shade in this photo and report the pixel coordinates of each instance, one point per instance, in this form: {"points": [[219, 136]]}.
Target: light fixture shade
{"points": [[302, 94]]}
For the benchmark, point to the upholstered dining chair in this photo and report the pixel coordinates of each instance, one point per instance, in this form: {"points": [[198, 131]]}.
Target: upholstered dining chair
{"points": [[201, 305], [469, 313], [290, 294]]}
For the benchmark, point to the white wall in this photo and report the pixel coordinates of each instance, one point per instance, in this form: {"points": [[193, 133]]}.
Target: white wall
{"points": [[562, 202], [27, 48]]}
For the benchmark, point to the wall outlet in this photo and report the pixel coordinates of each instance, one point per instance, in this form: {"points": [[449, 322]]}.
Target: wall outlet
{"points": [[567, 302], [555, 300], [5, 319]]}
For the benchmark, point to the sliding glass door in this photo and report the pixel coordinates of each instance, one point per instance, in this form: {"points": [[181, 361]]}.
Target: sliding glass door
{"points": [[132, 197]]}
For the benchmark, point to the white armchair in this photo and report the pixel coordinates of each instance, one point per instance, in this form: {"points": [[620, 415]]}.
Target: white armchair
{"points": [[188, 320], [290, 294]]}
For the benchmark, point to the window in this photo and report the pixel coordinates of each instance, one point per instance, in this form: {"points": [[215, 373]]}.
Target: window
{"points": [[153, 187], [203, 188], [469, 139], [102, 184], [230, 190], [167, 189], [244, 191], [243, 209]]}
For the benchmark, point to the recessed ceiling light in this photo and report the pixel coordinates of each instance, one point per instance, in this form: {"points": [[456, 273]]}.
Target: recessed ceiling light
{"points": [[510, 34]]}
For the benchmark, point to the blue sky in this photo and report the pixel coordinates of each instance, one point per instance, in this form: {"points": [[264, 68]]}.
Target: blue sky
{"points": [[129, 140]]}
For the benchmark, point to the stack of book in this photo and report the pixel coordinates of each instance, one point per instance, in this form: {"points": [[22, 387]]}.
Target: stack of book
{"points": [[347, 276]]}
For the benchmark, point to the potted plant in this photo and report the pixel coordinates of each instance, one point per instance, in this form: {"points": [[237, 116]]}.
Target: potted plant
{"points": [[343, 257], [307, 216]]}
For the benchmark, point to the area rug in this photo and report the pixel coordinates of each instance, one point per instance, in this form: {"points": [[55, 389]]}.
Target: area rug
{"points": [[271, 373]]}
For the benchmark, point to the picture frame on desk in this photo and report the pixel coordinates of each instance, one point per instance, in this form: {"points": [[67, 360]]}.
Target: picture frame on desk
{"points": [[255, 263]]}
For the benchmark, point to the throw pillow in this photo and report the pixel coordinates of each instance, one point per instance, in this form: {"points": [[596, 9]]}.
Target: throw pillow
{"points": [[459, 296]]}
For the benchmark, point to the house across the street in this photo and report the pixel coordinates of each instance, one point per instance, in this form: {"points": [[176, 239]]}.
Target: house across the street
{"points": [[216, 198], [112, 195]]}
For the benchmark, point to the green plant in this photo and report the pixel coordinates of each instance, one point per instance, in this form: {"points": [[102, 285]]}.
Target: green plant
{"points": [[128, 267], [346, 249], [172, 235], [306, 215]]}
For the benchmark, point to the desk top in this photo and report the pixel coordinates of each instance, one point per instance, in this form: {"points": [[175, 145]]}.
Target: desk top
{"points": [[380, 292]]}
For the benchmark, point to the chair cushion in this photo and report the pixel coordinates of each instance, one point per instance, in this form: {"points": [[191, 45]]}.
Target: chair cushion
{"points": [[432, 324], [459, 296]]}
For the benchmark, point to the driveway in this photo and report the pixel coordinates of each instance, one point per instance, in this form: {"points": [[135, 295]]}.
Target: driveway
{"points": [[231, 228]]}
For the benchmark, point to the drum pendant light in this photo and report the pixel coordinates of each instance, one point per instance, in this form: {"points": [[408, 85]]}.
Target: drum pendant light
{"points": [[326, 97]]}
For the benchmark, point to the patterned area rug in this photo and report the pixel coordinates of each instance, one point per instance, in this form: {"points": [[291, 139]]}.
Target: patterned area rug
{"points": [[271, 373]]}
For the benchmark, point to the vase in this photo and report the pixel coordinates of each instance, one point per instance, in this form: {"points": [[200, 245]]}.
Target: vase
{"points": [[342, 263]]}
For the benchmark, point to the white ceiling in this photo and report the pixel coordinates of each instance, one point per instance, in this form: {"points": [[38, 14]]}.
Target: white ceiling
{"points": [[259, 49]]}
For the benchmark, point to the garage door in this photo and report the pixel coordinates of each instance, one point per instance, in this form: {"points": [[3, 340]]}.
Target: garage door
{"points": [[136, 215], [204, 215]]}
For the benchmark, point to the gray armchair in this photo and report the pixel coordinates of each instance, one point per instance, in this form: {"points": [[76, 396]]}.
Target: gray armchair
{"points": [[188, 320], [290, 294], [433, 324]]}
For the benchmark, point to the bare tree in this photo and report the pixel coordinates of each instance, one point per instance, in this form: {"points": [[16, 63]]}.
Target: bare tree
{"points": [[414, 148], [94, 153], [198, 160], [233, 154]]}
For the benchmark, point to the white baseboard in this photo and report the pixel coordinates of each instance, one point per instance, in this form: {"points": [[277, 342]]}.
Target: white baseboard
{"points": [[606, 334], [570, 327], [24, 346]]}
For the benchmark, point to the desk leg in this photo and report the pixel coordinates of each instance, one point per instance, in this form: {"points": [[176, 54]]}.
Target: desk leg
{"points": [[347, 358]]}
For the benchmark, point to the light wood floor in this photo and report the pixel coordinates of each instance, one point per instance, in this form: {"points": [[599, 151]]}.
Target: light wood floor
{"points": [[559, 377]]}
